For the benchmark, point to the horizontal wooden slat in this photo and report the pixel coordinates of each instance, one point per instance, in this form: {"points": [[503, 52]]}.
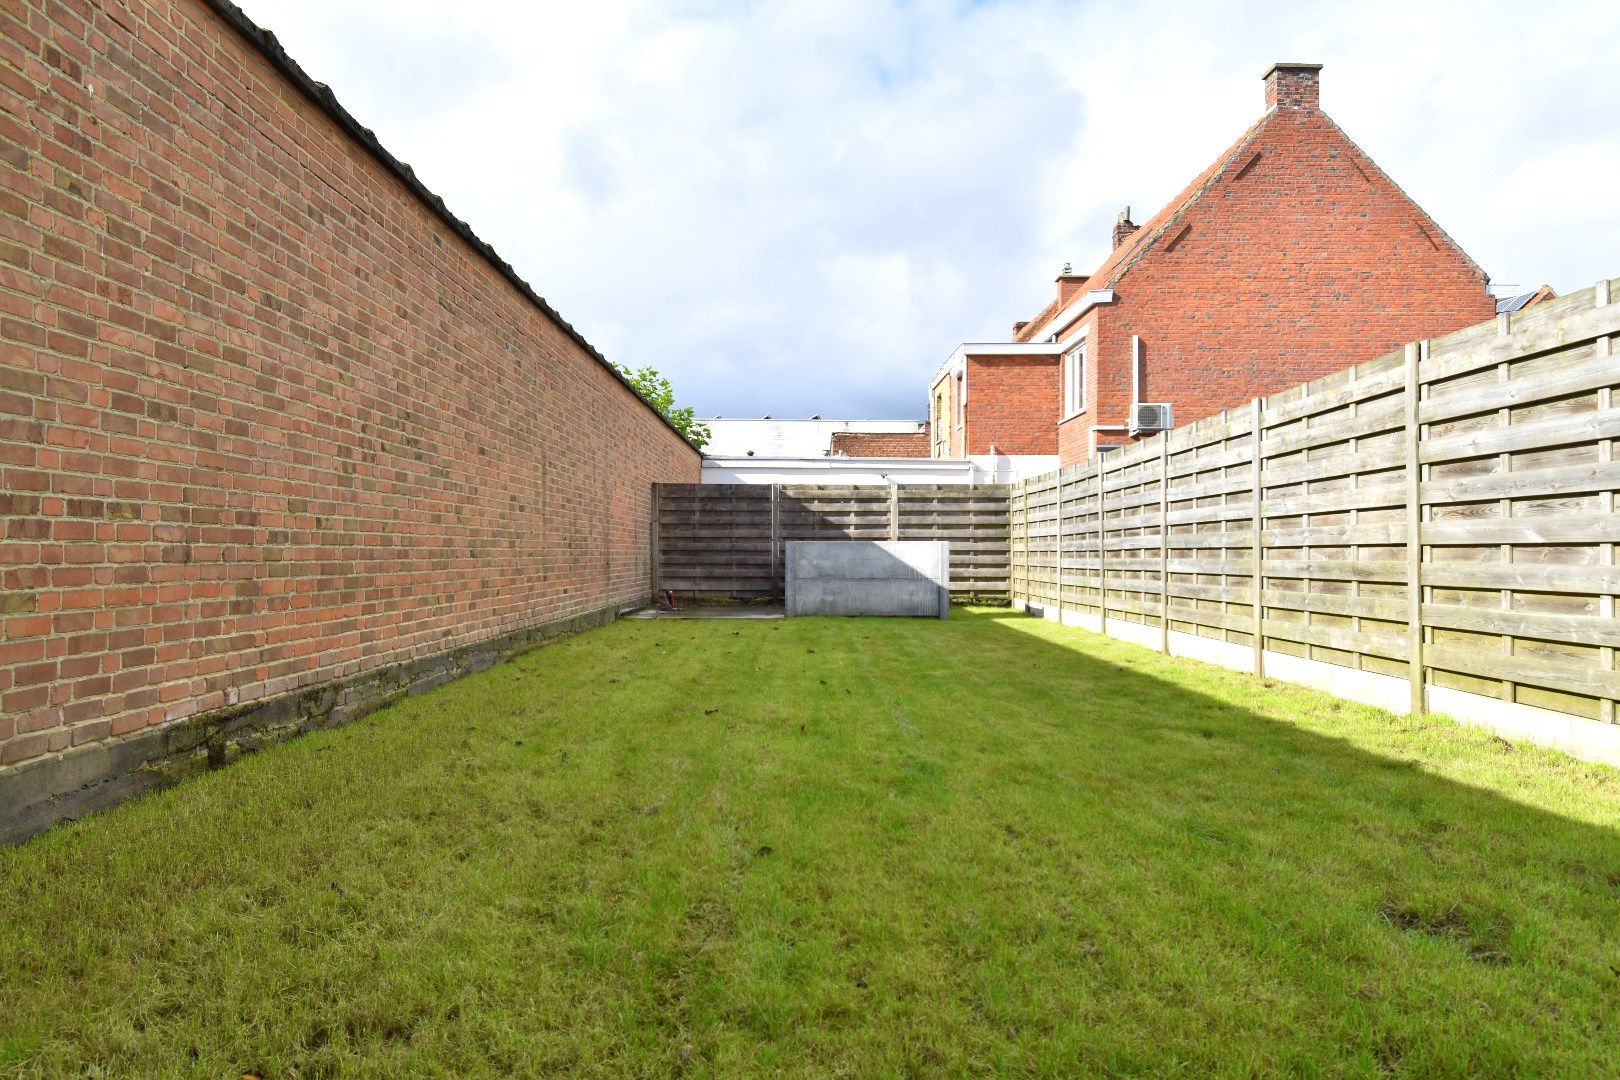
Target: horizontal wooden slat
{"points": [[1560, 431], [1543, 626], [1546, 331], [1571, 678], [1578, 378], [1525, 529], [1331, 604], [1535, 577], [1345, 640], [1555, 480]]}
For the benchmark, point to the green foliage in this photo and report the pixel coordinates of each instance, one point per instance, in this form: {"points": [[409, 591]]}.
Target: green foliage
{"points": [[657, 392], [836, 847]]}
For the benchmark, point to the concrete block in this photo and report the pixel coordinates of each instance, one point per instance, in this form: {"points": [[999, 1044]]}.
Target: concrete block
{"points": [[869, 577]]}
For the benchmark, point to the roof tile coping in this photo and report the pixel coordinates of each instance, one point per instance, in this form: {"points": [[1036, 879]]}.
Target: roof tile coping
{"points": [[265, 41]]}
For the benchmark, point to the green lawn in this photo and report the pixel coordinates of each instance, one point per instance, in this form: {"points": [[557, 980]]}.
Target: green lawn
{"points": [[824, 847]]}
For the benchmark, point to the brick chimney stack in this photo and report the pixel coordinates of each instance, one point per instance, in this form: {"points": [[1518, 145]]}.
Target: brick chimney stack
{"points": [[1124, 227], [1070, 284], [1294, 86]]}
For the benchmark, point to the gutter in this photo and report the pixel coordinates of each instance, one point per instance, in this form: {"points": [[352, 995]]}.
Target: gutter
{"points": [[321, 95]]}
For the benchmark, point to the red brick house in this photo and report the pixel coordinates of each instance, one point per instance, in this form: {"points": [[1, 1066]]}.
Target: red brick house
{"points": [[1290, 257]]}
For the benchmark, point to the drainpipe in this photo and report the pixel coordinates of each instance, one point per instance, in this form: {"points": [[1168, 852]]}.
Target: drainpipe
{"points": [[1136, 372]]}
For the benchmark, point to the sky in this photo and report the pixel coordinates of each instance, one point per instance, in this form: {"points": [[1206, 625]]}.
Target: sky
{"points": [[804, 206]]}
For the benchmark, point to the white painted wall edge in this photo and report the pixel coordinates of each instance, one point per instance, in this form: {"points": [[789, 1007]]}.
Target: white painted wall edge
{"points": [[977, 469], [1577, 736]]}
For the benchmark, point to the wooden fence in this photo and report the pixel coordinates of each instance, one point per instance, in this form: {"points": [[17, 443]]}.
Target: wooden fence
{"points": [[725, 540], [1444, 515]]}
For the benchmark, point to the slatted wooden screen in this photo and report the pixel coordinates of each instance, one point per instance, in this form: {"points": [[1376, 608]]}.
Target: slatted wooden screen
{"points": [[1445, 514], [725, 540]]}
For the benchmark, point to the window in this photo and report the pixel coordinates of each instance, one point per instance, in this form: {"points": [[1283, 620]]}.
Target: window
{"points": [[1074, 380]]}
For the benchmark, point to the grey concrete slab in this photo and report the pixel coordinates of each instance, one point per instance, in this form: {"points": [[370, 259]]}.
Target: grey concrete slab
{"points": [[869, 577], [754, 611]]}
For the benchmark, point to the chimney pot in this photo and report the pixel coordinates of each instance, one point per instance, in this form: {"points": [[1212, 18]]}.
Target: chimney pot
{"points": [[1294, 86]]}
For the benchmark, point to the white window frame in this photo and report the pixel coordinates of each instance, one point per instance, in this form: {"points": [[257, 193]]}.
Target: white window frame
{"points": [[1074, 380]]}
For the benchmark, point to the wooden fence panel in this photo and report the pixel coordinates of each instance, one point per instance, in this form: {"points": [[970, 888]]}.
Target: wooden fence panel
{"points": [[726, 540], [1445, 514]]}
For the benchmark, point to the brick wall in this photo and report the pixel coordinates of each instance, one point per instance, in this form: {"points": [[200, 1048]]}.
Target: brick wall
{"points": [[1012, 404], [1302, 259], [268, 421], [900, 444], [1074, 434]]}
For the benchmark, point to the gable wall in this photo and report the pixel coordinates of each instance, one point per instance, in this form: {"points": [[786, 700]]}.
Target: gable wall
{"points": [[1300, 262]]}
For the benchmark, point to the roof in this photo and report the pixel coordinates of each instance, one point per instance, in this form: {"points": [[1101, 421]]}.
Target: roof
{"points": [[323, 98]]}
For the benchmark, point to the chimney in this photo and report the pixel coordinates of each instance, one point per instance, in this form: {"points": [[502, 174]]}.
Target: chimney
{"points": [[1294, 86], [1070, 284], [1124, 227]]}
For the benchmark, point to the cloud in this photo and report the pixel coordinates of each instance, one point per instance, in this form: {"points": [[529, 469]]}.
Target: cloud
{"points": [[797, 208]]}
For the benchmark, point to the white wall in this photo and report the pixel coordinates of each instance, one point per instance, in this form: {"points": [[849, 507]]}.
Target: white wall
{"points": [[790, 438], [845, 470]]}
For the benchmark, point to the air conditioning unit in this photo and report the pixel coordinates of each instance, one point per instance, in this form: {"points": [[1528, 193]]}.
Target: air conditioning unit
{"points": [[1148, 418]]}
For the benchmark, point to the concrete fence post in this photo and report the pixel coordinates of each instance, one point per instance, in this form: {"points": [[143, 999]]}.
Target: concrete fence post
{"points": [[894, 510]]}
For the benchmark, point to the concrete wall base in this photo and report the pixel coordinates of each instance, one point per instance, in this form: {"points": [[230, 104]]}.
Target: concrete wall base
{"points": [[1577, 736], [41, 794]]}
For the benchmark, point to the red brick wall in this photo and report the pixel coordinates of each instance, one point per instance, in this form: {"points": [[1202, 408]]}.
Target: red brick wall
{"points": [[265, 420], [1012, 404], [879, 444], [1298, 262]]}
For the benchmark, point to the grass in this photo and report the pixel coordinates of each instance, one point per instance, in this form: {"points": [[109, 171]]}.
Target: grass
{"points": [[836, 847]]}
